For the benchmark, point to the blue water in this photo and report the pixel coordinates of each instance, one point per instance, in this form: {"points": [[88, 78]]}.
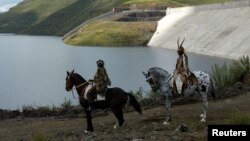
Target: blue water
{"points": [[33, 68]]}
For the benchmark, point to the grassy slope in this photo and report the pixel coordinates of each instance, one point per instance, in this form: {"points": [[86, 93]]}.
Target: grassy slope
{"points": [[71, 16], [52, 17], [57, 17], [181, 2], [28, 13], [233, 110], [108, 33]]}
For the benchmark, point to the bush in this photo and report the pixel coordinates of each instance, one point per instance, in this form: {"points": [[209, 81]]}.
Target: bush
{"points": [[141, 94], [241, 67], [29, 111], [222, 76], [151, 94], [226, 76], [66, 106], [44, 111], [138, 94]]}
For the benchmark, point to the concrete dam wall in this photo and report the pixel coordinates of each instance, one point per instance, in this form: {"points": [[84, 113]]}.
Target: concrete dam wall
{"points": [[218, 29]]}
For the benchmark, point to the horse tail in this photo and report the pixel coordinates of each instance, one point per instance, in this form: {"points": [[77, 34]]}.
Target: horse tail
{"points": [[134, 103], [213, 93]]}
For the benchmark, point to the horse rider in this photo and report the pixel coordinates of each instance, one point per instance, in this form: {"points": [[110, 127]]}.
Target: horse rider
{"points": [[101, 83], [181, 69]]}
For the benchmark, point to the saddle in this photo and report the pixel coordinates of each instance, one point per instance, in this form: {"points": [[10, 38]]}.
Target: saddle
{"points": [[184, 83], [90, 87], [190, 81]]}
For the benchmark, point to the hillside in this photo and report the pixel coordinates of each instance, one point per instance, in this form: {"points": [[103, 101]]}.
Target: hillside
{"points": [[127, 28], [57, 17], [54, 17], [234, 110]]}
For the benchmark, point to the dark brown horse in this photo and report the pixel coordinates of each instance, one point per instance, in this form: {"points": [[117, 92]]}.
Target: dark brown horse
{"points": [[115, 98]]}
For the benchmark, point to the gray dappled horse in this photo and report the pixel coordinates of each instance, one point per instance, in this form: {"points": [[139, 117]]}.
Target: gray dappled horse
{"points": [[162, 82]]}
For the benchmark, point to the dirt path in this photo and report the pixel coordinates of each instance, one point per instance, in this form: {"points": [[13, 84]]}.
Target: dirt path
{"points": [[136, 128]]}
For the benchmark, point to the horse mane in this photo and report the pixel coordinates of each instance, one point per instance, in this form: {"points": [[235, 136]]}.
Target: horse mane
{"points": [[79, 77], [159, 73]]}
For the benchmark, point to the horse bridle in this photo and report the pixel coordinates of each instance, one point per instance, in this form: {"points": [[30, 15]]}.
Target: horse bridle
{"points": [[154, 85], [169, 80], [72, 89]]}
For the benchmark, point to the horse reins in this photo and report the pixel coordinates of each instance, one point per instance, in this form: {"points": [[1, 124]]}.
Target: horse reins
{"points": [[170, 78], [77, 87]]}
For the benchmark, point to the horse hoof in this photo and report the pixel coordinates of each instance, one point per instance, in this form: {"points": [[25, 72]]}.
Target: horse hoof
{"points": [[166, 123], [116, 126], [203, 120], [87, 132], [201, 115]]}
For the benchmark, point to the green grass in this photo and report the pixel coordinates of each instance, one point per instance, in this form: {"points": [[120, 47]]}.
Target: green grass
{"points": [[42, 8], [228, 75], [46, 111], [189, 2], [222, 76], [29, 13], [198, 2], [152, 3], [67, 133], [239, 118], [40, 137], [57, 17], [171, 3], [52, 17], [111, 33], [66, 105]]}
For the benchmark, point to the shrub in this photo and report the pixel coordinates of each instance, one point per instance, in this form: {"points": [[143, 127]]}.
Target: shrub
{"points": [[44, 111], [240, 68], [228, 75], [151, 94], [66, 105], [138, 94], [141, 94], [222, 76], [28, 111]]}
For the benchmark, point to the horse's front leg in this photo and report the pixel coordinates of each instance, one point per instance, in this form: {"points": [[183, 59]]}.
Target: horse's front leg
{"points": [[205, 106], [85, 105], [89, 120], [167, 106]]}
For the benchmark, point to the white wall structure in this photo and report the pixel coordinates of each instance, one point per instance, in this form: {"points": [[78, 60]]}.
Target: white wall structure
{"points": [[217, 29]]}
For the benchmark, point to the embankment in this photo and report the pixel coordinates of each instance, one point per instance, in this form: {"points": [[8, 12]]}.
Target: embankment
{"points": [[217, 29]]}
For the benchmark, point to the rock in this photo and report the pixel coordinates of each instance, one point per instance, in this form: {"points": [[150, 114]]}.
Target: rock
{"points": [[238, 85], [182, 128]]}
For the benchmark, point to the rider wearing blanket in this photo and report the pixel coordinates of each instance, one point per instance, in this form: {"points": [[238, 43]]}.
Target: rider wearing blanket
{"points": [[101, 78], [182, 70], [101, 83]]}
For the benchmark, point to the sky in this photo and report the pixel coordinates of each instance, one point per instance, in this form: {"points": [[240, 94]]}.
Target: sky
{"points": [[6, 4]]}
